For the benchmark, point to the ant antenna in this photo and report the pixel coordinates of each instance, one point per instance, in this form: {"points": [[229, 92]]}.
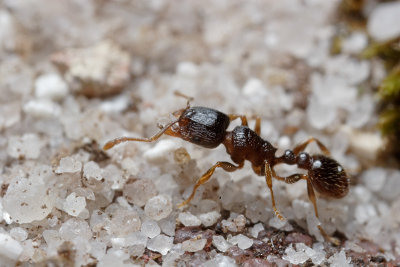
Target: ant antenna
{"points": [[188, 98]]}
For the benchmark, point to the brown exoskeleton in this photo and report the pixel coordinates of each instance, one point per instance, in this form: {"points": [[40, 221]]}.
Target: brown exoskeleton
{"points": [[207, 127]]}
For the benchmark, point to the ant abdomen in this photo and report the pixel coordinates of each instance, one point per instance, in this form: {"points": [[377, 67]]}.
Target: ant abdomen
{"points": [[328, 177], [202, 126]]}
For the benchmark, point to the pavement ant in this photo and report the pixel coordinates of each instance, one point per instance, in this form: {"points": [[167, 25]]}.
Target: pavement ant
{"points": [[207, 127]]}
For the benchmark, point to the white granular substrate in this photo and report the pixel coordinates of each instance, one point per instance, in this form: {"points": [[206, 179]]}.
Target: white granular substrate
{"points": [[77, 74]]}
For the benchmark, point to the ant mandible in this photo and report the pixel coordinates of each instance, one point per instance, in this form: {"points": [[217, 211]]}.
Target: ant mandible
{"points": [[207, 127]]}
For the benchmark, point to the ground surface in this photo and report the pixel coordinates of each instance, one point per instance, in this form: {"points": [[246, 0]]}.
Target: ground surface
{"points": [[76, 74]]}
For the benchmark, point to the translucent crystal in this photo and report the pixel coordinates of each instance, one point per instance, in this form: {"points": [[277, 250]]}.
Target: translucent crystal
{"points": [[374, 178], [27, 200], [18, 233], [140, 191], [339, 260], [74, 205], [188, 219], [158, 207], [150, 228], [242, 241], [209, 218], [92, 170], [193, 245], [256, 229], [161, 244], [294, 256], [26, 146], [168, 225], [157, 153], [9, 247], [384, 21], [220, 243], [123, 221], [42, 108], [10, 114], [69, 165], [75, 228], [220, 261], [50, 86]]}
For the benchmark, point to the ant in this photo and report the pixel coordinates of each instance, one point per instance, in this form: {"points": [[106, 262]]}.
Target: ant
{"points": [[207, 127]]}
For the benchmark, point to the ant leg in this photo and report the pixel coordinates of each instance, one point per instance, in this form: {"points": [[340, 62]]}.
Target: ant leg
{"points": [[188, 98], [242, 118], [268, 179], [116, 141], [303, 145], [289, 179], [313, 199], [229, 167], [257, 127]]}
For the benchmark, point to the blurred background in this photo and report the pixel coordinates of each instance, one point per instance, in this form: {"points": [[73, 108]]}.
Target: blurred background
{"points": [[74, 74]]}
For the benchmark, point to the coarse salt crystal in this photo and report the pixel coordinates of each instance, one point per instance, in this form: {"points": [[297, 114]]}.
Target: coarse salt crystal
{"points": [[92, 170], [27, 146], [150, 228], [242, 241], [9, 247], [74, 205], [256, 229], [193, 245], [50, 86], [69, 165], [158, 207], [161, 244], [188, 219], [220, 243]]}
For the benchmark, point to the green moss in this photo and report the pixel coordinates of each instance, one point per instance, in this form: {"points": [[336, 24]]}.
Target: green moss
{"points": [[389, 121], [389, 90], [388, 51]]}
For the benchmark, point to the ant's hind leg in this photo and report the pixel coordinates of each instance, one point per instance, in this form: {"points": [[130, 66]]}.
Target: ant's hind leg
{"points": [[268, 179], [243, 118], [229, 167], [311, 196], [257, 127], [303, 145], [116, 141]]}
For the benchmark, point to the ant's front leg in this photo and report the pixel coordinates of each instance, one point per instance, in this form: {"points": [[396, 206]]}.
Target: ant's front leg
{"points": [[229, 167], [303, 145], [268, 179]]}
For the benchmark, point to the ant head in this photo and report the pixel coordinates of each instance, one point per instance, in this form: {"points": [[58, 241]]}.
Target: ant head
{"points": [[328, 177]]}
